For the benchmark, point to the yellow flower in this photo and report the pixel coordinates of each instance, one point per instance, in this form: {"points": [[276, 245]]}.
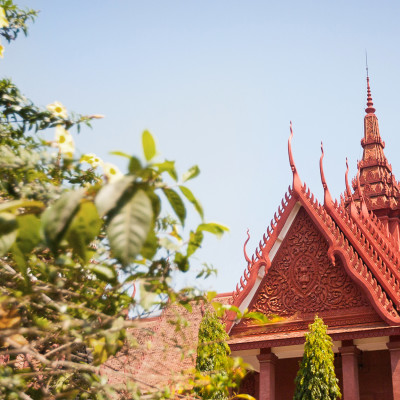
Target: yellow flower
{"points": [[92, 159], [65, 142], [3, 20], [1, 51], [111, 172], [58, 110]]}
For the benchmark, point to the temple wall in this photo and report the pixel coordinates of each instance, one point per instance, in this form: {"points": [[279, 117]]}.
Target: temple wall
{"points": [[374, 377], [286, 371]]}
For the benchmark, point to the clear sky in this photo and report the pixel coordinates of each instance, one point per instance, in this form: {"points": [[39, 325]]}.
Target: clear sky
{"points": [[217, 82]]}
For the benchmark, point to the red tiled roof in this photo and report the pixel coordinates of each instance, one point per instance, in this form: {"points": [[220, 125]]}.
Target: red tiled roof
{"points": [[166, 348]]}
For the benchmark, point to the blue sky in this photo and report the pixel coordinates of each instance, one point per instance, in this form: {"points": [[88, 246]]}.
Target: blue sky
{"points": [[217, 83]]}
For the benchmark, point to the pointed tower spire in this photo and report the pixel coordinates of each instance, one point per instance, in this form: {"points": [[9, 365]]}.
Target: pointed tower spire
{"points": [[370, 109], [376, 187]]}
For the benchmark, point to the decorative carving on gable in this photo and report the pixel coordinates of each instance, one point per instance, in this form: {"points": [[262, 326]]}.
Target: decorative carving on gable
{"points": [[302, 280]]}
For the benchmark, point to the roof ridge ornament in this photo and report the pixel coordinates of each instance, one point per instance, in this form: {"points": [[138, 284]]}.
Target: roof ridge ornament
{"points": [[296, 179], [244, 247], [327, 196], [346, 179], [363, 205]]}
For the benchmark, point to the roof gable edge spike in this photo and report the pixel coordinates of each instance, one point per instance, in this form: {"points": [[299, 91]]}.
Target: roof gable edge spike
{"points": [[328, 202], [244, 247], [348, 190], [264, 239], [296, 179], [242, 283]]}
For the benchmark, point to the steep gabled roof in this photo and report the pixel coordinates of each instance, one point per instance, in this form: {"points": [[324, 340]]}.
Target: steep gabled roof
{"points": [[362, 231]]}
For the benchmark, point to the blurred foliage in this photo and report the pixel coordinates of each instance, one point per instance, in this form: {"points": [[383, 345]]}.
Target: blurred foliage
{"points": [[77, 237], [212, 354]]}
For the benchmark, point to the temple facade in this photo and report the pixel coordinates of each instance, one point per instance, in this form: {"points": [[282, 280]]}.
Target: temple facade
{"points": [[338, 259]]}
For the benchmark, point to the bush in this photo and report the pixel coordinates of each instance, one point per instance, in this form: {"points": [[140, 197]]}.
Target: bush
{"points": [[316, 379]]}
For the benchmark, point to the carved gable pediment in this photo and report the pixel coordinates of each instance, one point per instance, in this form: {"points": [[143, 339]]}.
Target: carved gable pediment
{"points": [[302, 282]]}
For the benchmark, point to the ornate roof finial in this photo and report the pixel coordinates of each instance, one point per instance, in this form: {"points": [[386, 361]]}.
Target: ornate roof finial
{"points": [[363, 206], [327, 196], [348, 190], [370, 109], [244, 247], [296, 179]]}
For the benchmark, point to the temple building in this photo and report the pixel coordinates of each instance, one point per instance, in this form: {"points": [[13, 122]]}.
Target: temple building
{"points": [[337, 259]]}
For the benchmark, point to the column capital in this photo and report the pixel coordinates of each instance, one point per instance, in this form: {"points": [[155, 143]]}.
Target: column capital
{"points": [[267, 358], [393, 346], [349, 350]]}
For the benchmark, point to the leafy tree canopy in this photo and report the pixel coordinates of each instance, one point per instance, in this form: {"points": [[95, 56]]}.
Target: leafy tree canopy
{"points": [[77, 236]]}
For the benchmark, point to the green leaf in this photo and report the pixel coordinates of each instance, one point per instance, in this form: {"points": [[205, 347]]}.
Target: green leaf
{"points": [[120, 153], [8, 231], [99, 351], [134, 165], [29, 232], [191, 173], [257, 316], [129, 226], [41, 322], [189, 195], [211, 295], [169, 244], [195, 240], [84, 227], [150, 246], [147, 298], [106, 273], [149, 145], [228, 307], [56, 218], [187, 306], [214, 228], [176, 204], [15, 204], [156, 203], [169, 167], [110, 194], [20, 260], [182, 262], [244, 396]]}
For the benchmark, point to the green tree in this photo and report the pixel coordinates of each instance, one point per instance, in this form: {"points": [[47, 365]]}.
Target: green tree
{"points": [[316, 379], [212, 353], [76, 235]]}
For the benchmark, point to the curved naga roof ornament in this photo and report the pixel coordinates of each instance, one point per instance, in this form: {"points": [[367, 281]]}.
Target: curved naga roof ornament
{"points": [[363, 206], [296, 179], [244, 248], [349, 196], [346, 180], [328, 202]]}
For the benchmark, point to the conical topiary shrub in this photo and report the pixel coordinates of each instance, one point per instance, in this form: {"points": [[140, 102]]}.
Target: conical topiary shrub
{"points": [[212, 353], [316, 379]]}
